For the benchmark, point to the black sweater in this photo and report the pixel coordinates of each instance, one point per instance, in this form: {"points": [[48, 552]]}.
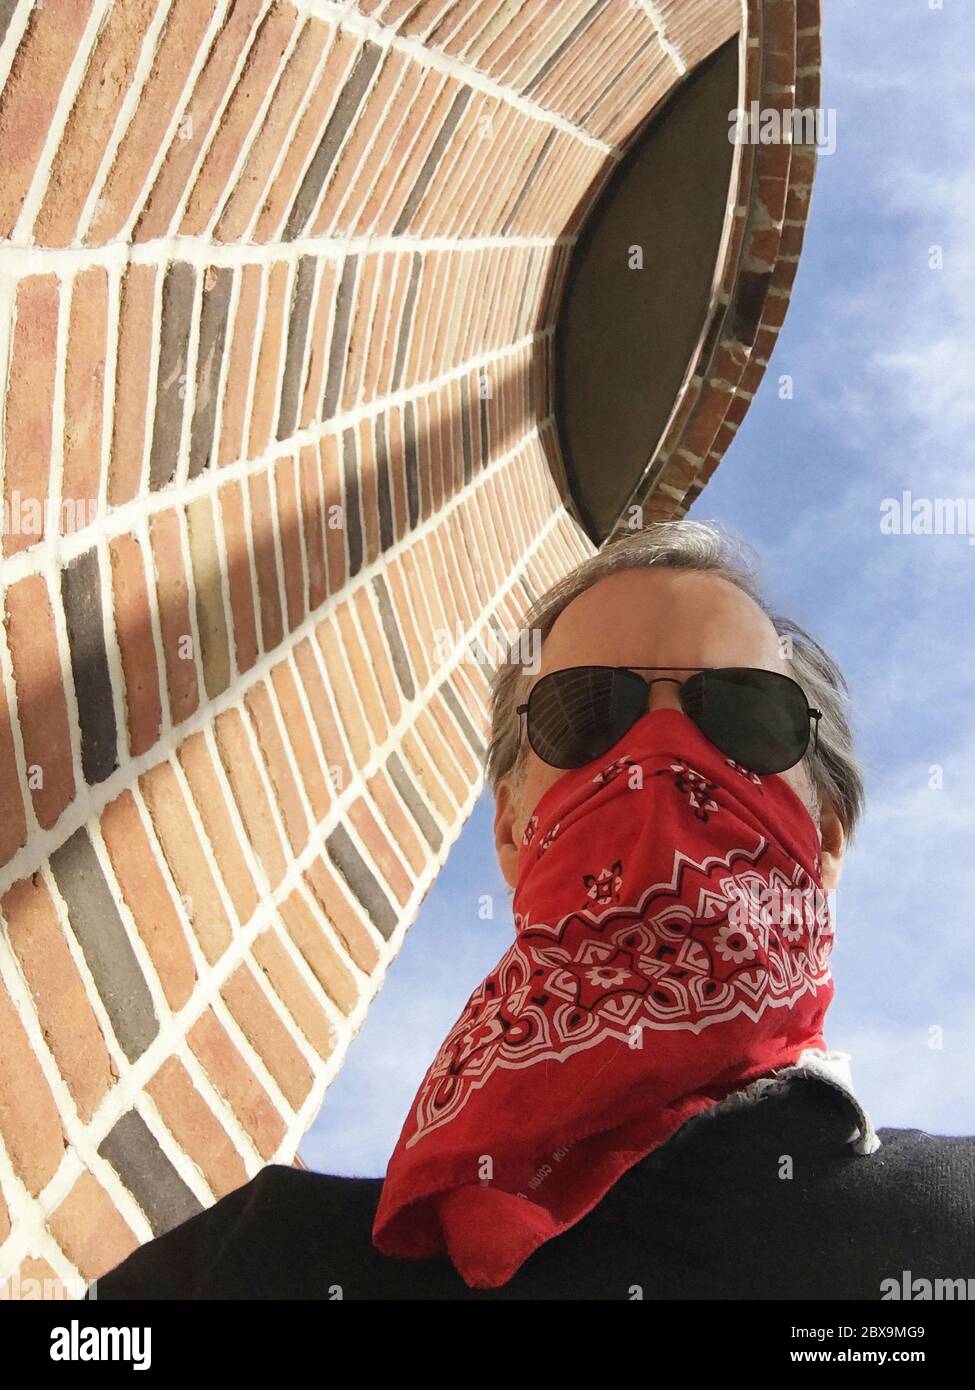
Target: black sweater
{"points": [[707, 1216]]}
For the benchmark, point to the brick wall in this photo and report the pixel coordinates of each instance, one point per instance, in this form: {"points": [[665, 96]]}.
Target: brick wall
{"points": [[278, 284]]}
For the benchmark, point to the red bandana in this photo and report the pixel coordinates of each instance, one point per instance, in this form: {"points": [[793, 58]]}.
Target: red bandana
{"points": [[672, 945]]}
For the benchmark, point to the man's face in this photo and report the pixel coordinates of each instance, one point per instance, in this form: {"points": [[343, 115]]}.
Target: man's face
{"points": [[653, 618]]}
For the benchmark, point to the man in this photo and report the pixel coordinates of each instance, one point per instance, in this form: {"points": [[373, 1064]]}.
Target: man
{"points": [[638, 1101]]}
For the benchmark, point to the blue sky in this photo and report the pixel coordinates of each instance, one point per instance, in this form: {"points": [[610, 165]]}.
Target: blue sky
{"points": [[880, 348]]}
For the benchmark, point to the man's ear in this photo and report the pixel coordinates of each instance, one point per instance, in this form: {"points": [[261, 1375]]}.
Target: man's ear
{"points": [[833, 846], [507, 830]]}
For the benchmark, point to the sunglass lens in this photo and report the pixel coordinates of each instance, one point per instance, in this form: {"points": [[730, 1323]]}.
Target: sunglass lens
{"points": [[577, 714], [759, 718]]}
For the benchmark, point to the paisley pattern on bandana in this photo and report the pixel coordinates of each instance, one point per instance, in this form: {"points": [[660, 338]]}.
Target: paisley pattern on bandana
{"points": [[694, 786], [671, 961], [665, 954], [546, 841], [745, 771], [605, 886]]}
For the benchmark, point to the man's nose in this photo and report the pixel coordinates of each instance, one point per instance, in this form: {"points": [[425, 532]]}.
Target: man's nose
{"points": [[664, 694]]}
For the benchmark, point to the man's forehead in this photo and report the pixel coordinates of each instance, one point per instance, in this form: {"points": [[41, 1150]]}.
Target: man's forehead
{"points": [[658, 617]]}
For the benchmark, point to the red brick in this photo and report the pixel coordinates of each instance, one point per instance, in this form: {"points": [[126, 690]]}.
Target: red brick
{"points": [[775, 309], [13, 822], [261, 67], [163, 91], [264, 532], [187, 862], [198, 765], [399, 825], [412, 147], [174, 615], [778, 27], [334, 513], [29, 407], [236, 392], [362, 674], [29, 1121], [149, 898], [133, 626], [299, 732], [330, 970], [318, 345], [313, 522], [267, 1034], [288, 797], [808, 89], [239, 580], [343, 692], [737, 410], [438, 593], [423, 773], [63, 1008], [195, 1128], [90, 1229], [292, 89], [438, 751], [278, 201], [286, 980], [267, 382], [96, 107], [707, 419], [378, 654], [31, 94], [432, 417], [389, 304], [251, 798], [288, 529], [396, 580], [779, 69], [333, 901], [752, 376], [131, 382], [792, 239], [84, 389], [41, 700], [465, 583], [319, 701], [783, 275], [234, 1080], [360, 327], [368, 490], [356, 160], [802, 170], [679, 474], [376, 161], [207, 97], [383, 855], [211, 616], [435, 290]]}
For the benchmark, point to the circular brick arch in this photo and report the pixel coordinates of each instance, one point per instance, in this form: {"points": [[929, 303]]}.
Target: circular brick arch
{"points": [[279, 288]]}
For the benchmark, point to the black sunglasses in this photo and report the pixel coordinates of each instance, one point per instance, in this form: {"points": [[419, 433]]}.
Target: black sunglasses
{"points": [[758, 718]]}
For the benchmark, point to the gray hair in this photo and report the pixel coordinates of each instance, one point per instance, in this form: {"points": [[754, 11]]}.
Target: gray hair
{"points": [[834, 771]]}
